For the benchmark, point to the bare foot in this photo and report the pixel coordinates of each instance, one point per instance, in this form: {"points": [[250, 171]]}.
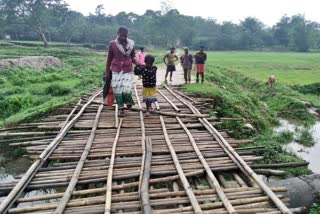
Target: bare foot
{"points": [[147, 114]]}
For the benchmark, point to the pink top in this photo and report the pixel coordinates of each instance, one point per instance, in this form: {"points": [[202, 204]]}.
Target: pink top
{"points": [[140, 58]]}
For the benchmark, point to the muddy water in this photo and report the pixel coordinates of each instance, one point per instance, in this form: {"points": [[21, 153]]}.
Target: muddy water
{"points": [[310, 154]]}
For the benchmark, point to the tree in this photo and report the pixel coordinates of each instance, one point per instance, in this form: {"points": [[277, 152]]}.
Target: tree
{"points": [[251, 33], [281, 31], [35, 13], [73, 26], [300, 32]]}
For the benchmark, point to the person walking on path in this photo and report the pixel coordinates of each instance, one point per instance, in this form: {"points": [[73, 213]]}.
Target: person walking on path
{"points": [[200, 59], [169, 59], [186, 61], [121, 56], [149, 81]]}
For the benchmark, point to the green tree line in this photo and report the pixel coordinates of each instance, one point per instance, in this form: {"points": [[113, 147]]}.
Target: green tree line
{"points": [[53, 20]]}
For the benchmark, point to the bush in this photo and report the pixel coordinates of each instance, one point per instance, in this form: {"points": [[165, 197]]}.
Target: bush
{"points": [[313, 88], [57, 90], [4, 93], [15, 103], [305, 138]]}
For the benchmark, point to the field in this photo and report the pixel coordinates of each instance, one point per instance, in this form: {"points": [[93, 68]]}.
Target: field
{"points": [[288, 67]]}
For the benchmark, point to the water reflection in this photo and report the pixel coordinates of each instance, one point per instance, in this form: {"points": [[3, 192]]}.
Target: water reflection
{"points": [[310, 154]]}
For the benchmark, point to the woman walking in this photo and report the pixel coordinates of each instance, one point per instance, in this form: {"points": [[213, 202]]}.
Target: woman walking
{"points": [[120, 58]]}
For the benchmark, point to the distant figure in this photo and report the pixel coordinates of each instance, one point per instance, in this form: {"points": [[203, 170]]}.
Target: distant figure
{"points": [[149, 81], [121, 56], [200, 59], [140, 58], [186, 61], [271, 80], [169, 59]]}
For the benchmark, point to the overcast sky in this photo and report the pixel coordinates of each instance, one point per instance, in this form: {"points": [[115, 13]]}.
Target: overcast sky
{"points": [[268, 11]]}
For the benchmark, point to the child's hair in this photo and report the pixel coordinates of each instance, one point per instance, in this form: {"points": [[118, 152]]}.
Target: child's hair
{"points": [[149, 59]]}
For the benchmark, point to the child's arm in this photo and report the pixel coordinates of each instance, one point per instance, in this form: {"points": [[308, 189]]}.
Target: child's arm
{"points": [[153, 70], [138, 70]]}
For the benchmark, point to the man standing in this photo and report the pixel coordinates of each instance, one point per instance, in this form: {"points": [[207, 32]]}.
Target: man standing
{"points": [[169, 59], [200, 59], [186, 63]]}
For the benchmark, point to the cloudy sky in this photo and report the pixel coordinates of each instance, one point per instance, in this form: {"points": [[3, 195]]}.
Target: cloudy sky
{"points": [[268, 11]]}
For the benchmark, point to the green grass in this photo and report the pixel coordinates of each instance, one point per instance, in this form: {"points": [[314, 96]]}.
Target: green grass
{"points": [[305, 137], [26, 92], [289, 68]]}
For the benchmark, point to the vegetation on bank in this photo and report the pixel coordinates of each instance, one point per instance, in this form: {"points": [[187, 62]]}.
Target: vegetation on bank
{"points": [[236, 93], [26, 92]]}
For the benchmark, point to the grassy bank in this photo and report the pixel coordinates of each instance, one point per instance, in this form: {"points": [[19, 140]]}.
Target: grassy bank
{"points": [[26, 92], [289, 68], [238, 94]]}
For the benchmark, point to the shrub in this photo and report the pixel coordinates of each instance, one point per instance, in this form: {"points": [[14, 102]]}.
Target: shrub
{"points": [[57, 90]]}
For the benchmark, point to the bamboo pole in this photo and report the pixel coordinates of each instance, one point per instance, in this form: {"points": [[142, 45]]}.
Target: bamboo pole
{"points": [[171, 114], [73, 182], [103, 189], [143, 138], [116, 116], [70, 115], [110, 172], [187, 187], [144, 189], [169, 101], [246, 169], [210, 175], [23, 182]]}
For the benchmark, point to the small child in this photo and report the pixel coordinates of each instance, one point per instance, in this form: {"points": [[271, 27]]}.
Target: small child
{"points": [[149, 80]]}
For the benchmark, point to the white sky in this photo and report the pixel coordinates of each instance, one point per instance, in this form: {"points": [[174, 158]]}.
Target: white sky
{"points": [[268, 11]]}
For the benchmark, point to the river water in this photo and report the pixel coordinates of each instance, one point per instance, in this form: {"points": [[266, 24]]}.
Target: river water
{"points": [[310, 154]]}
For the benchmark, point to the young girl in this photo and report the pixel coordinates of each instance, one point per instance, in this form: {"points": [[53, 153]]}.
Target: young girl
{"points": [[149, 80]]}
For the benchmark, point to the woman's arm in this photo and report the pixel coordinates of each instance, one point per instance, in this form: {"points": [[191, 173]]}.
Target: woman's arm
{"points": [[133, 55], [109, 60]]}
